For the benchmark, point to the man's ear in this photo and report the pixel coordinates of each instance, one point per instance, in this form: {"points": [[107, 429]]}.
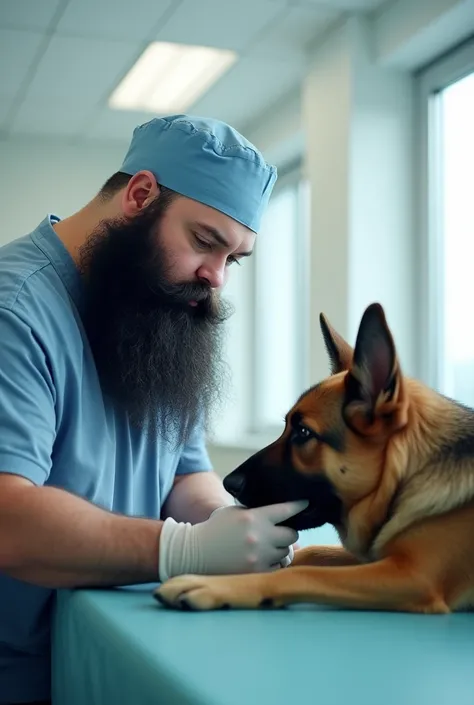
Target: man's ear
{"points": [[140, 191], [340, 353], [375, 401]]}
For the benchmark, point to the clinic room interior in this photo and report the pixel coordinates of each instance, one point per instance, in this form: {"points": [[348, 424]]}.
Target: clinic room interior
{"points": [[371, 202], [366, 108]]}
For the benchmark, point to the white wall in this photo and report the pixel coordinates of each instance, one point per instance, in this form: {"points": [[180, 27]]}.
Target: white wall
{"points": [[39, 176], [359, 118]]}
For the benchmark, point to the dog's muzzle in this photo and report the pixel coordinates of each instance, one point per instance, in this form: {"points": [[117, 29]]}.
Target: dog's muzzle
{"points": [[256, 483]]}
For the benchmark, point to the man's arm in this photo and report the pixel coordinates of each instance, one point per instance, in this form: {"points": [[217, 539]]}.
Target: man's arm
{"points": [[49, 536], [194, 496], [53, 538]]}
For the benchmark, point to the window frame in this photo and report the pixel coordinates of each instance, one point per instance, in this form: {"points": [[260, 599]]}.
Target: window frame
{"points": [[291, 176], [430, 82]]}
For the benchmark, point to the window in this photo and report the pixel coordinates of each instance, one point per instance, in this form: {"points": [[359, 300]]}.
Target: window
{"points": [[447, 101], [266, 342], [280, 310]]}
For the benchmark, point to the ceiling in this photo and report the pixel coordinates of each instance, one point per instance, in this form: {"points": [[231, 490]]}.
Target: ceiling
{"points": [[60, 59]]}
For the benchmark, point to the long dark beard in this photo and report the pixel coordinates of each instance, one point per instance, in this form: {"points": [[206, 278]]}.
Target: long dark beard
{"points": [[157, 357]]}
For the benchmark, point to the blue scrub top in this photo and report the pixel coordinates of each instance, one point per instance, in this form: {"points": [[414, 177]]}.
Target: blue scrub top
{"points": [[56, 428]]}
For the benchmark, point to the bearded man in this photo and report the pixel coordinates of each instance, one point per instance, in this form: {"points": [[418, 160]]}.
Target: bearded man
{"points": [[111, 363]]}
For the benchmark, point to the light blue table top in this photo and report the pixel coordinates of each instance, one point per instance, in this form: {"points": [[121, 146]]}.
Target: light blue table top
{"points": [[120, 646]]}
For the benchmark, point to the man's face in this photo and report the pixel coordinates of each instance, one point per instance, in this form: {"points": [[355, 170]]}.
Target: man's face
{"points": [[153, 310], [202, 244]]}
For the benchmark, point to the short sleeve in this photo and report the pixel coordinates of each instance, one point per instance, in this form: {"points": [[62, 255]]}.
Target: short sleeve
{"points": [[194, 456], [27, 401]]}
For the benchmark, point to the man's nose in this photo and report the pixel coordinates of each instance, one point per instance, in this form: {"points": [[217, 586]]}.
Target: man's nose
{"points": [[214, 275]]}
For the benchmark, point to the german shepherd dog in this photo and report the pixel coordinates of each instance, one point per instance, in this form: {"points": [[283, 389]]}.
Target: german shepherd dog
{"points": [[389, 463]]}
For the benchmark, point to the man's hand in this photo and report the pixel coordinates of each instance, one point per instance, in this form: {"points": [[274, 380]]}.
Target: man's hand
{"points": [[232, 540]]}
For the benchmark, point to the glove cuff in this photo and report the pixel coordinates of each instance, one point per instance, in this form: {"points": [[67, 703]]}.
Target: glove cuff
{"points": [[177, 549]]}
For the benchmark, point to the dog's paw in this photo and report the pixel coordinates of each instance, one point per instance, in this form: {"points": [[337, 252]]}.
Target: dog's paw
{"points": [[188, 592], [196, 592]]}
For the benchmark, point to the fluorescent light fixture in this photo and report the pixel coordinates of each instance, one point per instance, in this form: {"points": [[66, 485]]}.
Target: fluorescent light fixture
{"points": [[170, 77]]}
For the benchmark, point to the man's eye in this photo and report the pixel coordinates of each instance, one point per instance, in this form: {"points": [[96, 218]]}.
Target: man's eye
{"points": [[201, 243], [232, 260]]}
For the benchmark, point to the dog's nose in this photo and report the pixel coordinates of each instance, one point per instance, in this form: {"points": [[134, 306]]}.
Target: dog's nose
{"points": [[234, 483]]}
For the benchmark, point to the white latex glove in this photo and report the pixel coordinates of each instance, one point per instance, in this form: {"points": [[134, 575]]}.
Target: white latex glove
{"points": [[288, 559], [232, 540]]}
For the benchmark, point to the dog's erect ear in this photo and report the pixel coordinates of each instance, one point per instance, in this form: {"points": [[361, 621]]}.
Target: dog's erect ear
{"points": [[375, 400], [340, 353]]}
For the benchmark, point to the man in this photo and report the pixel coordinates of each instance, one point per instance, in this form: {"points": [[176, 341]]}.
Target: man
{"points": [[110, 366]]}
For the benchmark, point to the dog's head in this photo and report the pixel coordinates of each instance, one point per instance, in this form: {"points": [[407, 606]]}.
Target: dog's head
{"points": [[332, 450]]}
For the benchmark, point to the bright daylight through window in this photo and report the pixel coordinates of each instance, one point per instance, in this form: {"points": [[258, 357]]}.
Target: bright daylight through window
{"points": [[457, 180], [267, 335], [280, 320]]}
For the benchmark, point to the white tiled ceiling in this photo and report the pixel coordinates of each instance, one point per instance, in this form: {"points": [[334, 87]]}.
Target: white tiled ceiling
{"points": [[113, 19], [18, 50], [28, 14], [220, 23], [60, 59]]}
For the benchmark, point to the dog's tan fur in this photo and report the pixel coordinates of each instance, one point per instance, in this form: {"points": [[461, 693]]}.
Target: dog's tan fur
{"points": [[405, 477]]}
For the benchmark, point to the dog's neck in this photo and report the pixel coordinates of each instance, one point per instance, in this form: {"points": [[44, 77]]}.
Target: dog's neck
{"points": [[438, 438], [438, 429]]}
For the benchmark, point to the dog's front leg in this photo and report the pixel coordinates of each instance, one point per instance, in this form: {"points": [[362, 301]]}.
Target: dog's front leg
{"points": [[384, 585], [323, 556]]}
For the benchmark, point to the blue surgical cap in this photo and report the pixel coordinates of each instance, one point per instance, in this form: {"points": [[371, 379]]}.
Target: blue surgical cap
{"points": [[206, 160]]}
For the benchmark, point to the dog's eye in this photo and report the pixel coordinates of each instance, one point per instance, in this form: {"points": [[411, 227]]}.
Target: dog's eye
{"points": [[301, 434]]}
